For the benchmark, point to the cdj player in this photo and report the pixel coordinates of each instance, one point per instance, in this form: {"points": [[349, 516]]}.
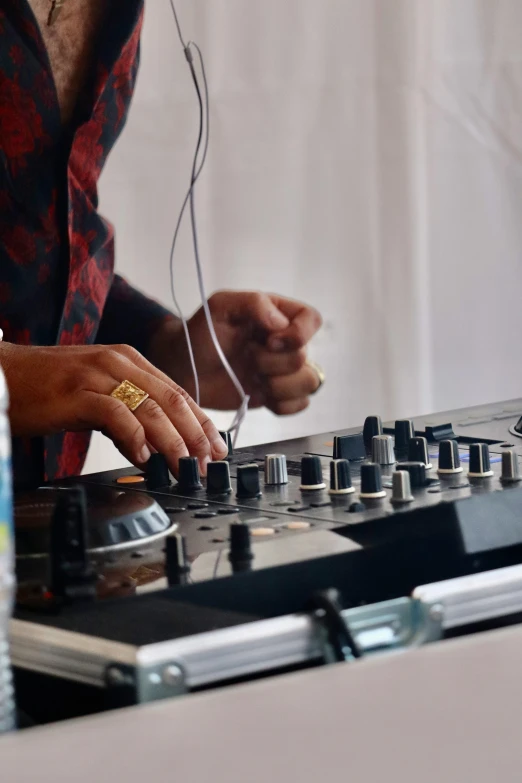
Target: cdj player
{"points": [[133, 586]]}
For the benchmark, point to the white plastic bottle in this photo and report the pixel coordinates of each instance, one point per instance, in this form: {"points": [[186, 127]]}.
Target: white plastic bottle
{"points": [[7, 563]]}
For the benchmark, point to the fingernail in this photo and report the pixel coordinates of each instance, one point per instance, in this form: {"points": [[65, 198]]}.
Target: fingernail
{"points": [[278, 344], [219, 445], [278, 320], [144, 455]]}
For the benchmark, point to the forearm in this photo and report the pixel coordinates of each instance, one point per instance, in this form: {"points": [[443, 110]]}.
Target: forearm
{"points": [[131, 318]]}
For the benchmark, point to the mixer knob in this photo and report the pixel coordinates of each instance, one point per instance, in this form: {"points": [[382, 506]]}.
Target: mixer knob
{"points": [[510, 468], [382, 450], [276, 472], [227, 437], [479, 462], [372, 427], [188, 474], [248, 485], [449, 458], [417, 471], [311, 473], [240, 554], [401, 484], [157, 472], [349, 447], [340, 479], [218, 478], [404, 432], [371, 481], [418, 452]]}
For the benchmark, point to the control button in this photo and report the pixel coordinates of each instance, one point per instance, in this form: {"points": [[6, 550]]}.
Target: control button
{"points": [[417, 471], [437, 432], [510, 468], [283, 503], [356, 508], [506, 445], [130, 480], [248, 485], [371, 481], [157, 472], [218, 478], [350, 447], [479, 461], [188, 478], [240, 554], [404, 432], [321, 504], [227, 437], [298, 525], [177, 566], [401, 487], [206, 527], [276, 472], [217, 540], [262, 531], [382, 450], [174, 509], [340, 479], [311, 473], [204, 514], [227, 510], [295, 509], [418, 452], [372, 427], [197, 505], [449, 458]]}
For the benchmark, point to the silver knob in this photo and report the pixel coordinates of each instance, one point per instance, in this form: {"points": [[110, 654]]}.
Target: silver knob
{"points": [[275, 469], [382, 450], [401, 487], [510, 468]]}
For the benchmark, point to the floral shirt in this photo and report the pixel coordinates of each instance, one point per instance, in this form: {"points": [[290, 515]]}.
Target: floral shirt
{"points": [[57, 281]]}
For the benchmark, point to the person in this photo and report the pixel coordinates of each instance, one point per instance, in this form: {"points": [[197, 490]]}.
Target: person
{"points": [[73, 330]]}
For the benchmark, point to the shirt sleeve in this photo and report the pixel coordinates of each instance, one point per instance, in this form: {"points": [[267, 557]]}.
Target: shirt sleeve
{"points": [[130, 317]]}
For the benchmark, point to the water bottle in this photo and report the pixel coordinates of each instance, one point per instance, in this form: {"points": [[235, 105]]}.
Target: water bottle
{"points": [[7, 564]]}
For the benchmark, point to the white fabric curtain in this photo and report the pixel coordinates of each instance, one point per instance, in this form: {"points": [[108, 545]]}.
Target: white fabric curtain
{"points": [[365, 156]]}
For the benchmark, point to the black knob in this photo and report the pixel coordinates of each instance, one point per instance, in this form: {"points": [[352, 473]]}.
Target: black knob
{"points": [[372, 427], [218, 478], [157, 472], [418, 451], [479, 462], [371, 481], [312, 473], [449, 458], [248, 485], [240, 554], [340, 479], [349, 447], [188, 474], [227, 437], [404, 432], [177, 566], [417, 471]]}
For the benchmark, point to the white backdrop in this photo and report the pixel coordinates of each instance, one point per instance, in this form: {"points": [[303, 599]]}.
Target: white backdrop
{"points": [[365, 156]]}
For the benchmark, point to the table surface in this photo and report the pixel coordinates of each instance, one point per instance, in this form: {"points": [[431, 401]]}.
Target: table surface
{"points": [[450, 711]]}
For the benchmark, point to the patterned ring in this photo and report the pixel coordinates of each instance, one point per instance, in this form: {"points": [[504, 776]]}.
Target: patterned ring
{"points": [[321, 377], [131, 396]]}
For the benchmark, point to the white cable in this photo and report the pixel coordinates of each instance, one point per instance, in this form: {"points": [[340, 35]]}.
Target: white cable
{"points": [[189, 198]]}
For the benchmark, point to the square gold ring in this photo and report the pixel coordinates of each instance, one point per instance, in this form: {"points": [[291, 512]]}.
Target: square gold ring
{"points": [[131, 396]]}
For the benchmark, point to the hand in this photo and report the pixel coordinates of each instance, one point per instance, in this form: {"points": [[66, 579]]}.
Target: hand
{"points": [[264, 338], [68, 388]]}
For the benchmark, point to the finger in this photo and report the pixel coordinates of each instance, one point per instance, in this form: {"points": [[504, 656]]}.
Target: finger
{"points": [[116, 421], [251, 307], [289, 408], [217, 444], [270, 363], [305, 321], [283, 388], [164, 437]]}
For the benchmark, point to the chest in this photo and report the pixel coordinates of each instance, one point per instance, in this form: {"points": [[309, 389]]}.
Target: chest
{"points": [[70, 43]]}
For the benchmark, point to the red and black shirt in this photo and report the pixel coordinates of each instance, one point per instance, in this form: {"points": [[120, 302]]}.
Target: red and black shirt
{"points": [[57, 281]]}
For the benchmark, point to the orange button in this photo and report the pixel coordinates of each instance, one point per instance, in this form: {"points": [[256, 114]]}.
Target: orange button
{"points": [[298, 526], [263, 531], [130, 480]]}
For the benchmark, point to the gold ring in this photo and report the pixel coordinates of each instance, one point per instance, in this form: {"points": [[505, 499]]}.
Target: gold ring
{"points": [[130, 395], [319, 372]]}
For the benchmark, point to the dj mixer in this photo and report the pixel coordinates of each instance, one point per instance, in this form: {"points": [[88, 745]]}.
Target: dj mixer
{"points": [[134, 586]]}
